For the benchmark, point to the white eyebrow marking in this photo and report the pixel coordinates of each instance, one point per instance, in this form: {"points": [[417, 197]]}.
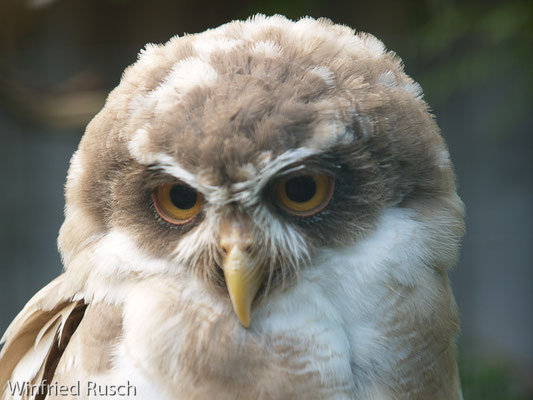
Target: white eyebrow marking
{"points": [[248, 191], [167, 164], [213, 194], [139, 150]]}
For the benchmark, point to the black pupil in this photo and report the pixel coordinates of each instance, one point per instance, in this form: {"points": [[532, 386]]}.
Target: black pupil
{"points": [[300, 189], [183, 197]]}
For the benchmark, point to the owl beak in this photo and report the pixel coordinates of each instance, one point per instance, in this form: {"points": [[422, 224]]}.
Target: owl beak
{"points": [[243, 276]]}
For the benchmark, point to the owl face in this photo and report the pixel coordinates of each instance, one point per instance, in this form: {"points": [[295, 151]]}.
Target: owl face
{"points": [[236, 156]]}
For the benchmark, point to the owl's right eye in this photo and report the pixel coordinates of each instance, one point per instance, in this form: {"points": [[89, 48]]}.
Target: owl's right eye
{"points": [[177, 204]]}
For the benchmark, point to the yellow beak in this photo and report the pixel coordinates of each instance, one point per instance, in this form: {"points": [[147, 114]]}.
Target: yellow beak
{"points": [[243, 276]]}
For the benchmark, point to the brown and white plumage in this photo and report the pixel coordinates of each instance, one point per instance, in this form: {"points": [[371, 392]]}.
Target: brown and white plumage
{"points": [[350, 298]]}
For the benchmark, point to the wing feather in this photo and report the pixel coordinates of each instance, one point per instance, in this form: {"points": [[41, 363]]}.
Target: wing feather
{"points": [[36, 339]]}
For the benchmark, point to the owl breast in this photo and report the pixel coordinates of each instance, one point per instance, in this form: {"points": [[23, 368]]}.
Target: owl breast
{"points": [[196, 348]]}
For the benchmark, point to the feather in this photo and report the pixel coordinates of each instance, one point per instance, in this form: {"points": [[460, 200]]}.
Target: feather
{"points": [[363, 313], [35, 341]]}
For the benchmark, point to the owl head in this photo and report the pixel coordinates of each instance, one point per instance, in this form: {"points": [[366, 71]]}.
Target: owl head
{"points": [[237, 158]]}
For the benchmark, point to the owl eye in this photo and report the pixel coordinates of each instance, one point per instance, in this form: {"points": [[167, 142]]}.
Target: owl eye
{"points": [[304, 195], [177, 204]]}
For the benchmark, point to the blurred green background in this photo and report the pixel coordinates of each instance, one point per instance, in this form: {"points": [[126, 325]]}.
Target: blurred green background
{"points": [[474, 60]]}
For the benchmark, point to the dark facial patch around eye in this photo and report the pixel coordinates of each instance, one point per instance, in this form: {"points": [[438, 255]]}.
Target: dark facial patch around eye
{"points": [[300, 188], [183, 197]]}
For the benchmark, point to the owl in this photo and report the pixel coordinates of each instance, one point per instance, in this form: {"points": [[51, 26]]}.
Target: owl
{"points": [[265, 210]]}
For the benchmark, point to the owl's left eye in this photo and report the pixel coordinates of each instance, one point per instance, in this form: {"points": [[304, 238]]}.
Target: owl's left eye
{"points": [[304, 195], [177, 204]]}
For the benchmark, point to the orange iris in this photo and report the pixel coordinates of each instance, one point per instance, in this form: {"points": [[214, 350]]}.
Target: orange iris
{"points": [[177, 204], [304, 195]]}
